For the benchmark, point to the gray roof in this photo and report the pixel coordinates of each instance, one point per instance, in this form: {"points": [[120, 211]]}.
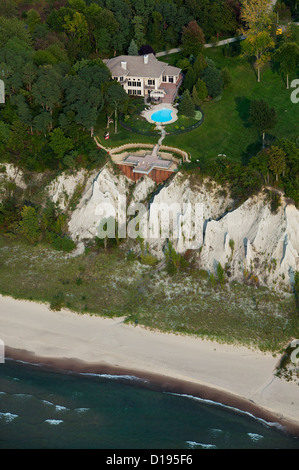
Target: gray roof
{"points": [[136, 67]]}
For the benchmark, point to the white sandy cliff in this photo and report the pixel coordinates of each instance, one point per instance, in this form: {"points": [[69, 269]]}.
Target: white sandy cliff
{"points": [[249, 241]]}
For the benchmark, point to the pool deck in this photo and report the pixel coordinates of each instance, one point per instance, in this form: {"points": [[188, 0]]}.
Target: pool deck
{"points": [[147, 113]]}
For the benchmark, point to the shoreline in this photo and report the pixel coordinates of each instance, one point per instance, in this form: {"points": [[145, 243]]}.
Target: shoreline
{"points": [[227, 375], [160, 383]]}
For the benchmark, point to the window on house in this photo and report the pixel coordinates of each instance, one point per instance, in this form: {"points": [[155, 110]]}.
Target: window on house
{"points": [[170, 79], [151, 82], [164, 78], [134, 84]]}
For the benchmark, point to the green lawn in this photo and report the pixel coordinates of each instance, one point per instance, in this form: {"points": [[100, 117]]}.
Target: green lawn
{"points": [[226, 129], [122, 136]]}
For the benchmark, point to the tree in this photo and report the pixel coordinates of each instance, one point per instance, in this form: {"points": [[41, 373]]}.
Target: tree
{"points": [[13, 28], [133, 49], [17, 139], [84, 95], [59, 143], [29, 74], [77, 26], [258, 45], [4, 135], [262, 116], [258, 18], [213, 81], [42, 122], [116, 98], [155, 28], [29, 225], [32, 19], [277, 161], [186, 106], [13, 58], [190, 79], [46, 90], [192, 39], [288, 57], [9, 8], [260, 162], [201, 89], [195, 97], [256, 15], [200, 64], [226, 77], [138, 31], [184, 64], [23, 110]]}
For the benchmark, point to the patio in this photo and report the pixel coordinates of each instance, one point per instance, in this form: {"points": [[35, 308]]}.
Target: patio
{"points": [[145, 164]]}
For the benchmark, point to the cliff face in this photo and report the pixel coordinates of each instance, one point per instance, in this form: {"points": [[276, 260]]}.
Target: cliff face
{"points": [[249, 242], [255, 243]]}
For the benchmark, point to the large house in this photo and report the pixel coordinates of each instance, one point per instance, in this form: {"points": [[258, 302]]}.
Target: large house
{"points": [[145, 76]]}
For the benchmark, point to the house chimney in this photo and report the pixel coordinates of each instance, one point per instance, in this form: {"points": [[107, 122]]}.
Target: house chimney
{"points": [[123, 64], [145, 59]]}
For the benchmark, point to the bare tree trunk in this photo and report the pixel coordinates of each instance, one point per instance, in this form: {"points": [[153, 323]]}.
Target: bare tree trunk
{"points": [[258, 73], [108, 120], [115, 121]]}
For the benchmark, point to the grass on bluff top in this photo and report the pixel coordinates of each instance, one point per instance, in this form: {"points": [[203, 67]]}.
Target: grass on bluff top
{"points": [[109, 284], [226, 128], [123, 136]]}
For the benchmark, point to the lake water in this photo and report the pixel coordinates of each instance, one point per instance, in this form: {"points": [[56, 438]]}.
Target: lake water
{"points": [[40, 408]]}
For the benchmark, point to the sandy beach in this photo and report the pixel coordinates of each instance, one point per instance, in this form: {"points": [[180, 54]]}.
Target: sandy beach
{"points": [[235, 376]]}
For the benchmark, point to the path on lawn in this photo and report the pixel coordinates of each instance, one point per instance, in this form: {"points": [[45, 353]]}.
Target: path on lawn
{"points": [[212, 44]]}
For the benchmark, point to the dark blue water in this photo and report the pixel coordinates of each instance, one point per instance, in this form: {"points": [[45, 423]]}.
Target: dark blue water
{"points": [[45, 409]]}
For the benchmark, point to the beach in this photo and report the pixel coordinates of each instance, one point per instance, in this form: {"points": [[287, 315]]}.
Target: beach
{"points": [[232, 375]]}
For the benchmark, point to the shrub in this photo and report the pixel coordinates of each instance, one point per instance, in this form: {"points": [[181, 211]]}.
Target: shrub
{"points": [[226, 77], [148, 259], [60, 243], [57, 301], [29, 225], [220, 274]]}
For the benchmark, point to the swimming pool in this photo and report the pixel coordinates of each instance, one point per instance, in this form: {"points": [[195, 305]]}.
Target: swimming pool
{"points": [[163, 115]]}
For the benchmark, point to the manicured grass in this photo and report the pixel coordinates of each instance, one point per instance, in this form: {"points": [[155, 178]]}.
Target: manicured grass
{"points": [[108, 284], [123, 136], [226, 129], [183, 122]]}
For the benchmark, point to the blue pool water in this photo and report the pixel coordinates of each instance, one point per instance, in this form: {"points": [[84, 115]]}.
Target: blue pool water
{"points": [[163, 115]]}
